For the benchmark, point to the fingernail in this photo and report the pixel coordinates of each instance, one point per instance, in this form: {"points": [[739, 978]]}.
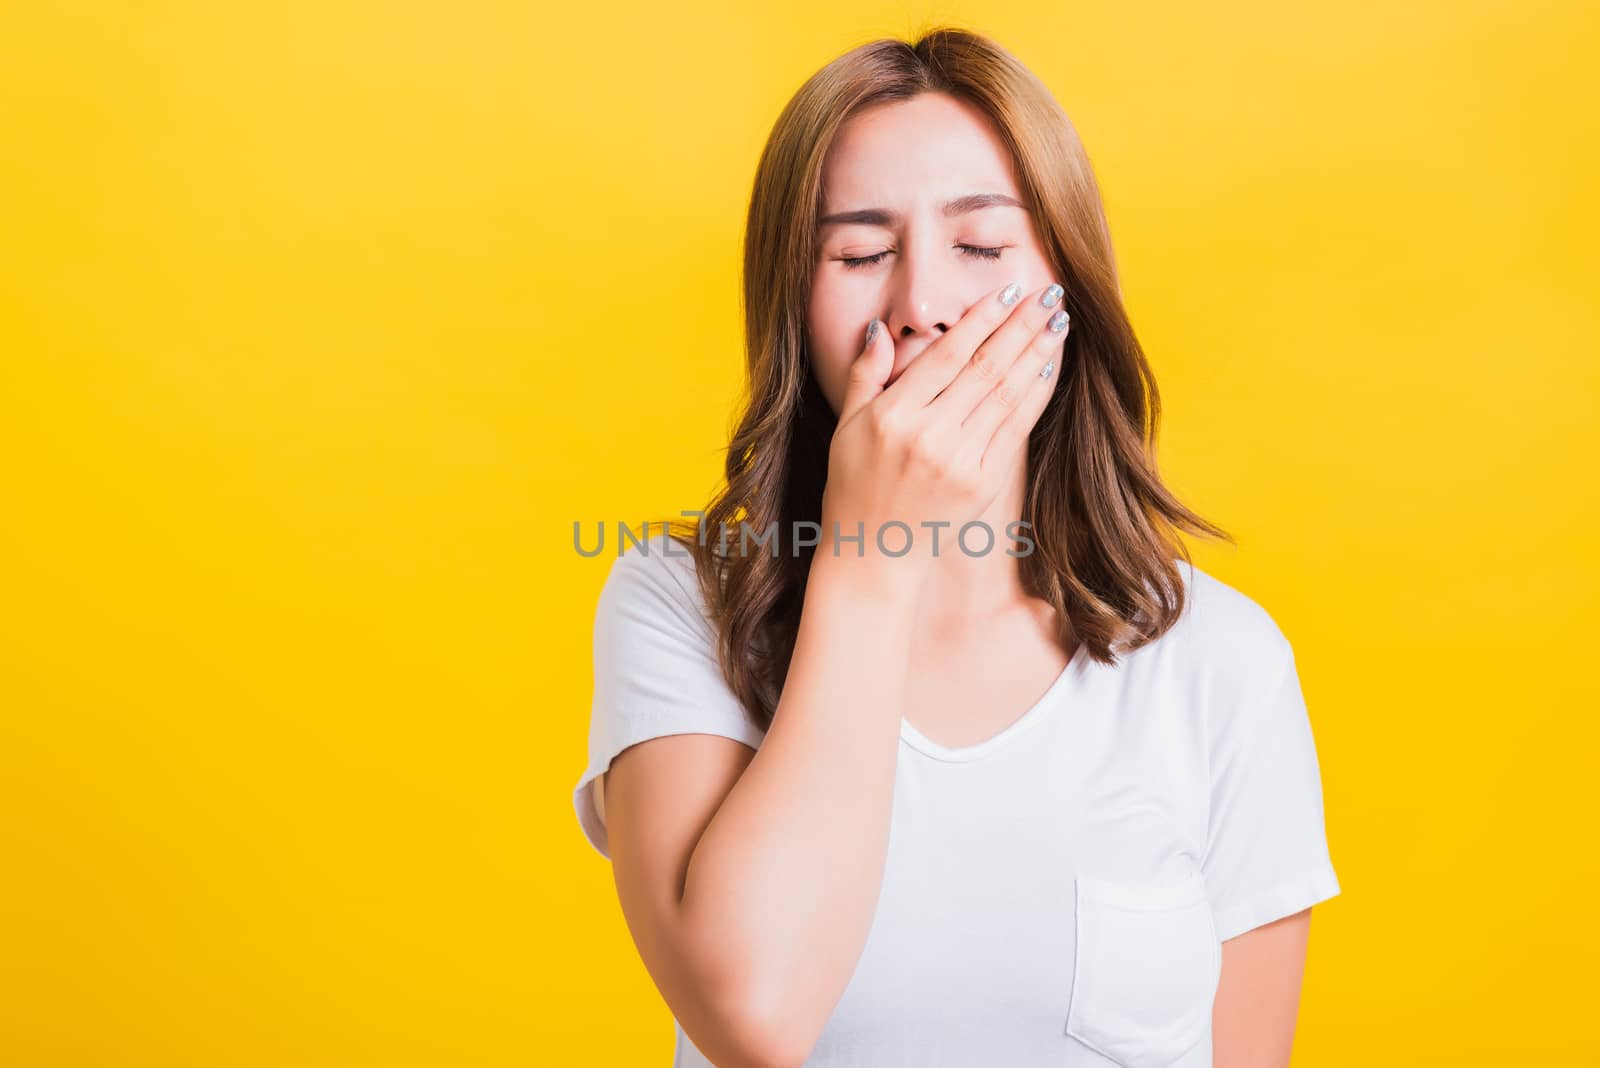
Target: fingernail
{"points": [[872, 331], [1011, 294], [1051, 366], [1059, 321], [1049, 297]]}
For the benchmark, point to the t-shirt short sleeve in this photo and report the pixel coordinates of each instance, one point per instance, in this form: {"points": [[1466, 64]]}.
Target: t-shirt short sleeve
{"points": [[655, 668], [1266, 851]]}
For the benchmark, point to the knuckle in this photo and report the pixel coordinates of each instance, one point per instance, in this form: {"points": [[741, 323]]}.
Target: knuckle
{"points": [[966, 478], [923, 450], [929, 457], [884, 420]]}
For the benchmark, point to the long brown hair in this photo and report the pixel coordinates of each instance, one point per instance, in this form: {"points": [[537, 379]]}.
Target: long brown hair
{"points": [[1103, 525]]}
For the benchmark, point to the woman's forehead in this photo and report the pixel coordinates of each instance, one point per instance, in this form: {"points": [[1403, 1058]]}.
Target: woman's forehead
{"points": [[931, 148]]}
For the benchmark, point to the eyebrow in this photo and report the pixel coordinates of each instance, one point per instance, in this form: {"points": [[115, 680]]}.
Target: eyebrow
{"points": [[949, 209]]}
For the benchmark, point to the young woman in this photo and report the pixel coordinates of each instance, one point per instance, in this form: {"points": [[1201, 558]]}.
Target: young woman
{"points": [[894, 796]]}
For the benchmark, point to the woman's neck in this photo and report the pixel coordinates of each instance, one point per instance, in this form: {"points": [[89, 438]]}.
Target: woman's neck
{"points": [[963, 590]]}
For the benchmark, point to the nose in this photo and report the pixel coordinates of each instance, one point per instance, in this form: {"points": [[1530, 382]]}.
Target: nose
{"points": [[924, 294]]}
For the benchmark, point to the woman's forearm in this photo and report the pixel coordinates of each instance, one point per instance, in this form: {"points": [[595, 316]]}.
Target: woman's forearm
{"points": [[783, 884]]}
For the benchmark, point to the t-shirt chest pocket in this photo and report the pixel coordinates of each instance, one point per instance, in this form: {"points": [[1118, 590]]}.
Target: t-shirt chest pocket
{"points": [[1145, 974]]}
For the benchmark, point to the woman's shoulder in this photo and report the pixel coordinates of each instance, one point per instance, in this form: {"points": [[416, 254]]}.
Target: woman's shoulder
{"points": [[659, 556], [656, 575], [1230, 636]]}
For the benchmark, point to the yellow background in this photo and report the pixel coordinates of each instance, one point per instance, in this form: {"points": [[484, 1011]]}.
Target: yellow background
{"points": [[322, 323]]}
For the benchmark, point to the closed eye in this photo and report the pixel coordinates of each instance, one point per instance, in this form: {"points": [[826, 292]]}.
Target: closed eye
{"points": [[976, 252]]}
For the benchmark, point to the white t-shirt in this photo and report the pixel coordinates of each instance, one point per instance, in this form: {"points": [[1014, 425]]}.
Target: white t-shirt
{"points": [[1056, 894]]}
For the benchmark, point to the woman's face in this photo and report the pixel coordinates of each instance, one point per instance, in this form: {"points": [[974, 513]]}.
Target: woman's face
{"points": [[893, 168]]}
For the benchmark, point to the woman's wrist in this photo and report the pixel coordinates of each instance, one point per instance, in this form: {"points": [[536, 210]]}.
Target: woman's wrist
{"points": [[891, 580]]}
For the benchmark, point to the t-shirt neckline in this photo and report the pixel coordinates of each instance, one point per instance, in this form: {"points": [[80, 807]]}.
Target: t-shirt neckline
{"points": [[1064, 682]]}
